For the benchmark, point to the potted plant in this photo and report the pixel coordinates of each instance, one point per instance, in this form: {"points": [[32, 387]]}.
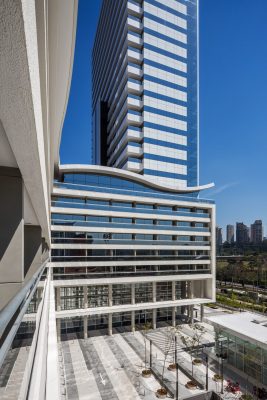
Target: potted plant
{"points": [[217, 377], [146, 372], [161, 393], [191, 385]]}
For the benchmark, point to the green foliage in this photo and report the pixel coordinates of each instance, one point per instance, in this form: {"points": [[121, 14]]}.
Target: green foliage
{"points": [[233, 302]]}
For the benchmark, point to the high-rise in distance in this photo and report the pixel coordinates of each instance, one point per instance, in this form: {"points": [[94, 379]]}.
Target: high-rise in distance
{"points": [[145, 89], [230, 233]]}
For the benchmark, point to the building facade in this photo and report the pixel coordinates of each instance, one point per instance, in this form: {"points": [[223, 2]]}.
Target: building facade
{"points": [[256, 232], [230, 234], [145, 89], [37, 49], [242, 233], [126, 252]]}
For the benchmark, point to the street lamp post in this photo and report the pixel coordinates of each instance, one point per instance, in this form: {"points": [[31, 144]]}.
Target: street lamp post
{"points": [[150, 353], [176, 368], [207, 372]]}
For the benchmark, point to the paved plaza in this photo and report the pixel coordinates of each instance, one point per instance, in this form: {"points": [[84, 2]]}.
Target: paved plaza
{"points": [[109, 367]]}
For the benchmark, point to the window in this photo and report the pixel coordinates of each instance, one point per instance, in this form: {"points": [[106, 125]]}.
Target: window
{"points": [[143, 293], [97, 296]]}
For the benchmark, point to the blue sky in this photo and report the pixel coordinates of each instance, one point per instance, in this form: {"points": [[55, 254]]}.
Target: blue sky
{"points": [[233, 104]]}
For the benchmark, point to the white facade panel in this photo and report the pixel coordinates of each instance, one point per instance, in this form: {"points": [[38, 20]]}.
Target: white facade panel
{"points": [[175, 5], [165, 121], [165, 166], [164, 151], [165, 105], [164, 45], [165, 90], [164, 60], [167, 16], [165, 75], [165, 136], [165, 30]]}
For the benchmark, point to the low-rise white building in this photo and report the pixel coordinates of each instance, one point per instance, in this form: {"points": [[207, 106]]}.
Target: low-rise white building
{"points": [[243, 338]]}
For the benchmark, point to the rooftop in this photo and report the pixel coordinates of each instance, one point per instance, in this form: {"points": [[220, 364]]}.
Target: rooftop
{"points": [[250, 326]]}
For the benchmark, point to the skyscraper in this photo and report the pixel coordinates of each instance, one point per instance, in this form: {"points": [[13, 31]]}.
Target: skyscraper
{"points": [[230, 233], [256, 231], [242, 233], [145, 89]]}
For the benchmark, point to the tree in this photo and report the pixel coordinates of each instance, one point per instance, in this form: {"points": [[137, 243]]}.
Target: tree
{"points": [[192, 343], [169, 339]]}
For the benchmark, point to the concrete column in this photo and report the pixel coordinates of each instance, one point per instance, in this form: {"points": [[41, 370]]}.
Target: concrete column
{"points": [[189, 290], [58, 302], [154, 292], [85, 329], [191, 314], [183, 295], [173, 316], [110, 324], [110, 295], [58, 321], [85, 297], [133, 321], [173, 291], [201, 312], [132, 293], [154, 318]]}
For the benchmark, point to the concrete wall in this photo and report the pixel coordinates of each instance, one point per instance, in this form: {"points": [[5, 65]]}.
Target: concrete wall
{"points": [[11, 225]]}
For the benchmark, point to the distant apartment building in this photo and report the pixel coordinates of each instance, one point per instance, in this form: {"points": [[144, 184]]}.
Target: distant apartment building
{"points": [[219, 238], [242, 233], [230, 234], [256, 231]]}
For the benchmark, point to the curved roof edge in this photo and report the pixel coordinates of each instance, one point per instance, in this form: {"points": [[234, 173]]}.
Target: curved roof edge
{"points": [[120, 173]]}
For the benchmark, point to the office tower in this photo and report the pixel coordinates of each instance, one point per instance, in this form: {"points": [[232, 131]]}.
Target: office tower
{"points": [[145, 89], [242, 233], [219, 238], [256, 231], [36, 46], [132, 229], [230, 233]]}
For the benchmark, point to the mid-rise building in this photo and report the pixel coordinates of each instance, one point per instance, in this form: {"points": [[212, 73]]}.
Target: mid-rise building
{"points": [[145, 89], [256, 231], [242, 233], [230, 234], [126, 251]]}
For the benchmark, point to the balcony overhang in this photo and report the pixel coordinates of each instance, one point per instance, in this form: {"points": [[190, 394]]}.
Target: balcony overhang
{"points": [[132, 176]]}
